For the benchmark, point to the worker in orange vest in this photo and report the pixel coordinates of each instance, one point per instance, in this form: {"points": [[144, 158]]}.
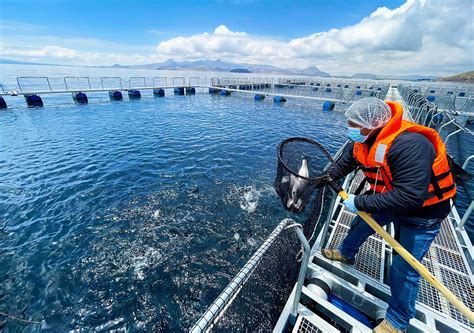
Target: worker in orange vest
{"points": [[411, 184]]}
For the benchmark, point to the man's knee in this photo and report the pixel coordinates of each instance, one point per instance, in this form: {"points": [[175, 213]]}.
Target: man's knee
{"points": [[401, 267]]}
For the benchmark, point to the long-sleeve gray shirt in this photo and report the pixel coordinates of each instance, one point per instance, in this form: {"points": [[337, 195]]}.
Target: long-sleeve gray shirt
{"points": [[410, 159]]}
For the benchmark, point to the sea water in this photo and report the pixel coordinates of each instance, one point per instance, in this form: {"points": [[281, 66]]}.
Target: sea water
{"points": [[136, 214]]}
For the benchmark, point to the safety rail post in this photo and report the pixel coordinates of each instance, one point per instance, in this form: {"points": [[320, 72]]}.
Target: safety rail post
{"points": [[469, 210], [466, 215], [111, 77], [163, 82], [302, 274], [193, 81], [451, 134]]}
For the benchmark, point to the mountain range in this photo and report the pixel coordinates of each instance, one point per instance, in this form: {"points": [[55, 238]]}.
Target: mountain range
{"points": [[221, 66]]}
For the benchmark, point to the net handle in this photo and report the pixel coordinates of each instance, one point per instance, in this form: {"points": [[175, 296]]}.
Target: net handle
{"points": [[320, 146]]}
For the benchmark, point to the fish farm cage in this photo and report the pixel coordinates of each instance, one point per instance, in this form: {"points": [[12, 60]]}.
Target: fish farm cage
{"points": [[278, 90], [312, 293]]}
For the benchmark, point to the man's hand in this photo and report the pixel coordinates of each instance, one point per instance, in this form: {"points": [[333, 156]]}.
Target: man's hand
{"points": [[350, 204]]}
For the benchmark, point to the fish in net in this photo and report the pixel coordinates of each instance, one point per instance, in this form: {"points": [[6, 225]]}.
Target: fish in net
{"points": [[302, 173], [303, 166]]}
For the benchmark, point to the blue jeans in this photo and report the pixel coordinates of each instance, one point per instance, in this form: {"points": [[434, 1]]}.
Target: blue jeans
{"points": [[416, 235]]}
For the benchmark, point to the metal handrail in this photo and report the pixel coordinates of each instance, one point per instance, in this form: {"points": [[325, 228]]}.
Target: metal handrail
{"points": [[18, 79], [180, 79], [136, 78], [162, 79], [110, 77], [77, 77]]}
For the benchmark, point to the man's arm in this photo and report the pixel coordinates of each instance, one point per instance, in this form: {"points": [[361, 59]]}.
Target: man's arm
{"points": [[345, 164], [410, 159]]}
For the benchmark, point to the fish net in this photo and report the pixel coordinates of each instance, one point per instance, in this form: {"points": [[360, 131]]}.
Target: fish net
{"points": [[263, 296], [254, 299], [302, 168]]}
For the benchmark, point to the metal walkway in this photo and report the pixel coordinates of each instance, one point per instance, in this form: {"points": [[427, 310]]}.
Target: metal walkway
{"points": [[330, 90], [364, 285]]}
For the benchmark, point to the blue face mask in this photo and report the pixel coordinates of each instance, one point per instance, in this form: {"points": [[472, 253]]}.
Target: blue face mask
{"points": [[354, 134]]}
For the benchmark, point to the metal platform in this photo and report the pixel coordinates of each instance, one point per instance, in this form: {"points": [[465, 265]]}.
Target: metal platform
{"points": [[331, 90], [445, 260], [364, 284]]}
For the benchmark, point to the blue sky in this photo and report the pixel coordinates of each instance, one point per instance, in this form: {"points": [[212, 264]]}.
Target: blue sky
{"points": [[147, 22], [338, 36]]}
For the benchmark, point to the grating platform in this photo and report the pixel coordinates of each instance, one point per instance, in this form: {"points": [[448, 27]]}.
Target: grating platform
{"points": [[308, 322], [365, 284], [305, 326], [445, 259]]}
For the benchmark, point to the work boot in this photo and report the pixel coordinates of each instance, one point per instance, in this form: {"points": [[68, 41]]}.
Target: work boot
{"points": [[334, 254], [386, 327]]}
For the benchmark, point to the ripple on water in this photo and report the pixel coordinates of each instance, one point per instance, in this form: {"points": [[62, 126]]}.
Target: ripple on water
{"points": [[125, 215]]}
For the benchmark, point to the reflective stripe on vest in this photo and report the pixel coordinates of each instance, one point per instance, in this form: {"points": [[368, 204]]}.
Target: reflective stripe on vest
{"points": [[377, 171]]}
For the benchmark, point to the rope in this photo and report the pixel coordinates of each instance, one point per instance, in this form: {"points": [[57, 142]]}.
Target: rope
{"points": [[19, 319]]}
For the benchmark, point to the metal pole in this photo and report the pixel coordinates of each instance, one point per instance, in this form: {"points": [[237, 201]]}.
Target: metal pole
{"points": [[466, 162], [451, 134], [302, 275], [466, 215]]}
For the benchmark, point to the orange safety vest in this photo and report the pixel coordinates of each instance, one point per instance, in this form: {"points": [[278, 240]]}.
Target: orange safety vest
{"points": [[377, 171]]}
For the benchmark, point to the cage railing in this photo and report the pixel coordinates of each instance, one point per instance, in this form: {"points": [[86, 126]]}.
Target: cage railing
{"points": [[217, 309]]}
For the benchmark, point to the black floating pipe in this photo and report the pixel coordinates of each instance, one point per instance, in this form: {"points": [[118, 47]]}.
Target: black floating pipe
{"points": [[3, 104], [190, 91], [179, 91], [159, 92], [79, 97], [134, 94], [115, 95], [33, 100]]}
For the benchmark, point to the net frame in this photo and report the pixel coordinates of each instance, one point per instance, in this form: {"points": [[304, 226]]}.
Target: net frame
{"points": [[282, 144], [295, 190]]}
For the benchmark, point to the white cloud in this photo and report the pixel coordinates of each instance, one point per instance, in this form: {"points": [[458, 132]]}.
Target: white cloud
{"points": [[64, 55], [421, 36]]}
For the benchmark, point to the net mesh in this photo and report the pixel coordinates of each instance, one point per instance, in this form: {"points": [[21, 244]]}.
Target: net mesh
{"points": [[369, 113], [301, 169], [262, 298], [264, 295], [259, 299]]}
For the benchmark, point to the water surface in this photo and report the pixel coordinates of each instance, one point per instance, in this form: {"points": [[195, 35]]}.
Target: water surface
{"points": [[125, 214]]}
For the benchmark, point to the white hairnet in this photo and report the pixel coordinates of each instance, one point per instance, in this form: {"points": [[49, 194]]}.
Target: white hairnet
{"points": [[369, 112]]}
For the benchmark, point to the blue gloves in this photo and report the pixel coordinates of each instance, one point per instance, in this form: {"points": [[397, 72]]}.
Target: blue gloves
{"points": [[350, 204]]}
